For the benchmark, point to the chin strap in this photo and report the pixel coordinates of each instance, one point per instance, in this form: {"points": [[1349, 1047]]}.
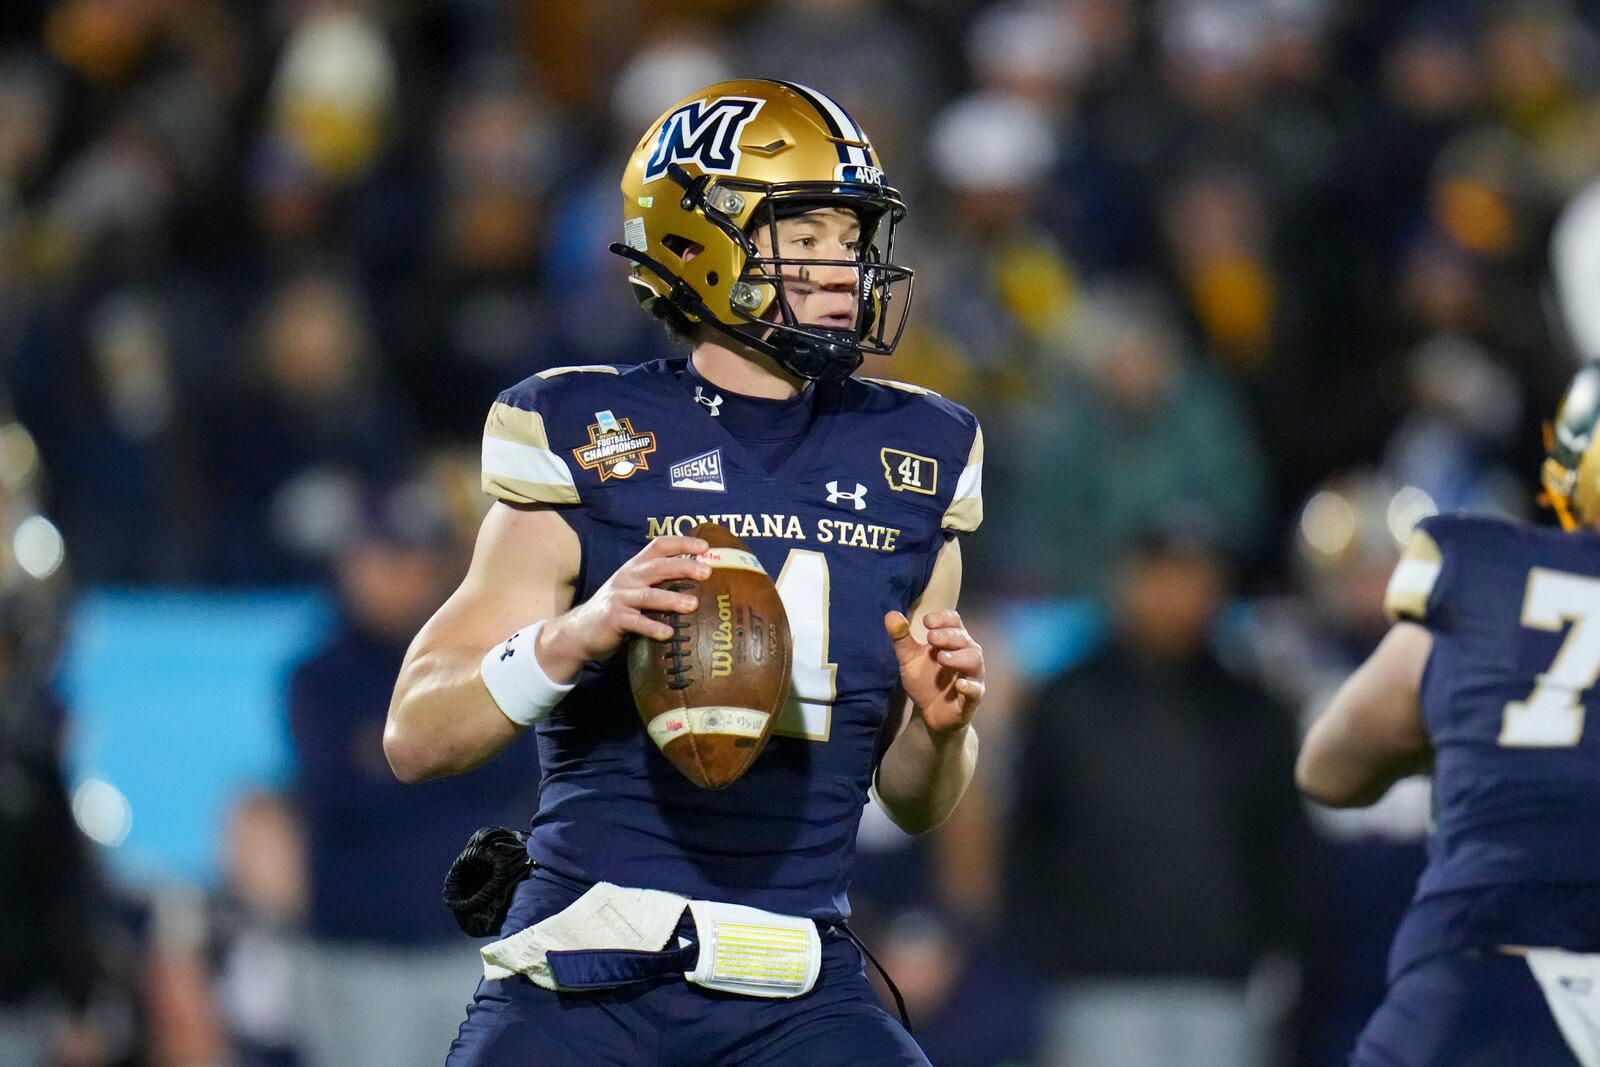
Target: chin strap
{"points": [[819, 360], [831, 354], [682, 294]]}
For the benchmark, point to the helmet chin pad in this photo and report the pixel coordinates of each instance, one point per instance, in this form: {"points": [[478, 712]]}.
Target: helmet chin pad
{"points": [[824, 354]]}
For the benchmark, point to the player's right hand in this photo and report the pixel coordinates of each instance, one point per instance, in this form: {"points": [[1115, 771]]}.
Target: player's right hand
{"points": [[597, 628]]}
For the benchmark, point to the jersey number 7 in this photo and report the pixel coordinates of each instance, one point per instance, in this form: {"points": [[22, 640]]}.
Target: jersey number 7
{"points": [[1552, 715]]}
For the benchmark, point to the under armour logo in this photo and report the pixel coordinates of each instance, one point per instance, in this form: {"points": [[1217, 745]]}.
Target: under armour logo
{"points": [[509, 651], [711, 402], [858, 498]]}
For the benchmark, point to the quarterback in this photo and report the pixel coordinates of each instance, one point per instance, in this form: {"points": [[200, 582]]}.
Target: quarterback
{"points": [[1486, 678], [664, 924]]}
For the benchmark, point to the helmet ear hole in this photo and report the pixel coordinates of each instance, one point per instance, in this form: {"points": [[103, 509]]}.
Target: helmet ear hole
{"points": [[712, 278], [681, 246]]}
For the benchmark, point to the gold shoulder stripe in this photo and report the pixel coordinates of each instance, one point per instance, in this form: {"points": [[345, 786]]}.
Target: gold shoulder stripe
{"points": [[965, 512], [905, 387], [1413, 579], [516, 424], [582, 368], [517, 491], [518, 465]]}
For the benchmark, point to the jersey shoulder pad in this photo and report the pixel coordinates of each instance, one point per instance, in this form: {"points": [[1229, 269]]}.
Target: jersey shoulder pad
{"points": [[1426, 584], [519, 466], [939, 428], [578, 368], [904, 387]]}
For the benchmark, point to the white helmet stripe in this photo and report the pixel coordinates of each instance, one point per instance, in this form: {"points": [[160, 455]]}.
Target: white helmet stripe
{"points": [[847, 126]]}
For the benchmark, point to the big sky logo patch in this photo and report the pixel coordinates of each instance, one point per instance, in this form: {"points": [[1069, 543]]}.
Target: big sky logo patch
{"points": [[702, 472]]}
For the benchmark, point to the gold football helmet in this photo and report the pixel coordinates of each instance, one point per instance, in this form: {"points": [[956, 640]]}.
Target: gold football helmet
{"points": [[1571, 471], [743, 154]]}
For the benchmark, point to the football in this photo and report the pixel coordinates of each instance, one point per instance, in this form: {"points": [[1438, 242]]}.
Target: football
{"points": [[710, 695]]}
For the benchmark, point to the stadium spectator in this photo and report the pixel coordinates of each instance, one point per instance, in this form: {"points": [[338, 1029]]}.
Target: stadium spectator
{"points": [[1465, 409], [318, 420], [258, 921], [1157, 852], [1003, 290], [386, 965], [53, 924], [970, 1002], [858, 50], [47, 961], [1135, 426]]}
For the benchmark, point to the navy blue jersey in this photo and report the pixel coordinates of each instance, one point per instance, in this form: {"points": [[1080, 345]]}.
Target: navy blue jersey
{"points": [[849, 525], [1514, 611]]}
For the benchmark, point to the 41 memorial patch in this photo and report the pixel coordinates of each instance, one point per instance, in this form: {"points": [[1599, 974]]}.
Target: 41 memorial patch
{"points": [[909, 472]]}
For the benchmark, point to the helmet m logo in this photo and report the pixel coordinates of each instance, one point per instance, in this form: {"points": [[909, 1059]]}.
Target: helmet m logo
{"points": [[706, 134]]}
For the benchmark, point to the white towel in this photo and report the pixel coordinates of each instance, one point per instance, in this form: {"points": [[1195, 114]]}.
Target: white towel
{"points": [[607, 916]]}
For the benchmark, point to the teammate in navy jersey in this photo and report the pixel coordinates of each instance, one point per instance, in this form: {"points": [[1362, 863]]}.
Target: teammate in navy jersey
{"points": [[1485, 678], [761, 230]]}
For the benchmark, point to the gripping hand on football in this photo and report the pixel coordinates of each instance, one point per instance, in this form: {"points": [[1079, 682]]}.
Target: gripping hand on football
{"points": [[597, 628], [942, 676]]}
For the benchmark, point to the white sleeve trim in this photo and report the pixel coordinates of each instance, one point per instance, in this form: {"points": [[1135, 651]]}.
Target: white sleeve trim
{"points": [[966, 504], [970, 483], [524, 463], [1414, 578], [578, 368]]}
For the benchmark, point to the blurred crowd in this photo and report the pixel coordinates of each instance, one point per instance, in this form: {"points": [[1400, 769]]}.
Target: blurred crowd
{"points": [[1239, 288]]}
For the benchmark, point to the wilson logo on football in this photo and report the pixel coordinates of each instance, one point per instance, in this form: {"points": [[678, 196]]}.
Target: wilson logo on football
{"points": [[706, 134], [614, 448], [738, 559]]}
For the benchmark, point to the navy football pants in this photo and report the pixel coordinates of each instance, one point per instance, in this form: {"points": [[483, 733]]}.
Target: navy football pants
{"points": [[667, 1022], [1464, 1011]]}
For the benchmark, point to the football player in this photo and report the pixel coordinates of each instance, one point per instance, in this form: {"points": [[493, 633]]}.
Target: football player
{"points": [[1485, 678], [760, 229]]}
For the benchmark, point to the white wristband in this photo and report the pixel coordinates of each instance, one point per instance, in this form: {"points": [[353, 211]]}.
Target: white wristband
{"points": [[518, 684]]}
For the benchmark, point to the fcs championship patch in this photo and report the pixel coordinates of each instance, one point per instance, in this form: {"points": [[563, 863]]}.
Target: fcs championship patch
{"points": [[614, 448], [908, 472]]}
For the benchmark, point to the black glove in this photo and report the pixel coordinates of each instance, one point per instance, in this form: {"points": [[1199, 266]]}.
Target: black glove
{"points": [[479, 884]]}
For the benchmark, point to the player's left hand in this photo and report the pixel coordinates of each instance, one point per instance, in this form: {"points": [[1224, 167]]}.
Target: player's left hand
{"points": [[943, 676]]}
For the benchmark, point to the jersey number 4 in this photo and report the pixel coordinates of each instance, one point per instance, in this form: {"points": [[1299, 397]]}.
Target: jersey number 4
{"points": [[803, 586], [1552, 715]]}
